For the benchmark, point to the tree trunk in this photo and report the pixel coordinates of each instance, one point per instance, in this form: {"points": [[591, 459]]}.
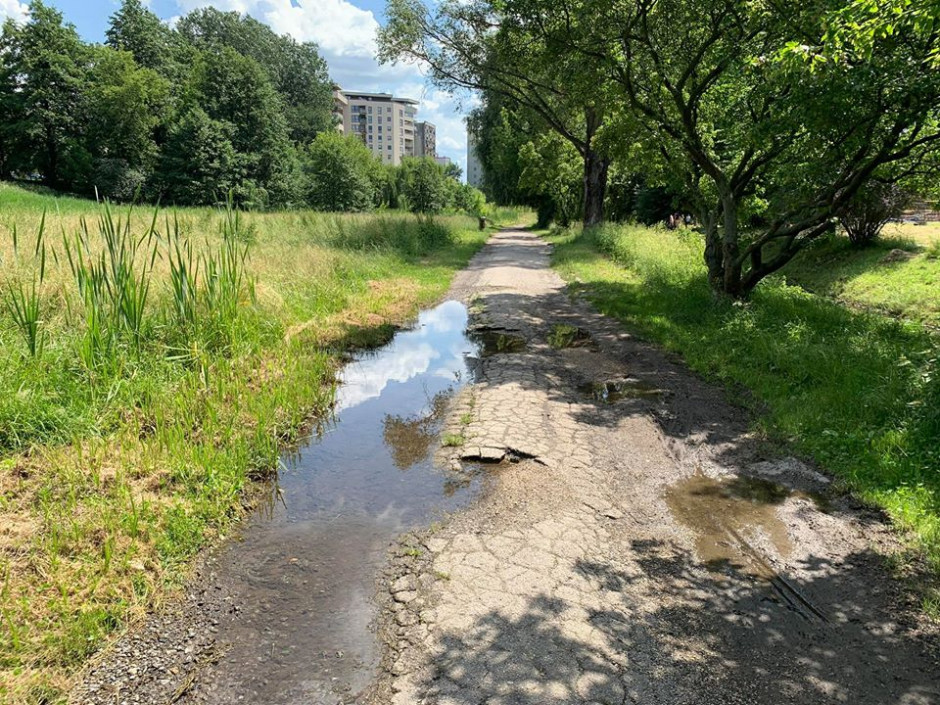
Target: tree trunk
{"points": [[731, 279], [595, 170], [713, 258], [595, 187]]}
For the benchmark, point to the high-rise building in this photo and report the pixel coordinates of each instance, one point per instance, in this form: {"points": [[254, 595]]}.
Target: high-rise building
{"points": [[340, 108], [425, 140], [384, 123], [474, 167]]}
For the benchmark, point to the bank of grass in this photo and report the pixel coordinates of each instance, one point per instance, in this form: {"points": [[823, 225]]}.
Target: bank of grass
{"points": [[857, 391], [127, 442], [898, 274]]}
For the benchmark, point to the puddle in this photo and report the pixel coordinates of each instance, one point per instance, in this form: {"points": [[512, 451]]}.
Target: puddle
{"points": [[734, 521], [727, 515], [303, 577], [612, 391], [493, 341], [565, 336]]}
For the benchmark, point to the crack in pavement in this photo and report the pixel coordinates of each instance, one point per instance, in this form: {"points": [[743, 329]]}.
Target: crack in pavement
{"points": [[571, 581]]}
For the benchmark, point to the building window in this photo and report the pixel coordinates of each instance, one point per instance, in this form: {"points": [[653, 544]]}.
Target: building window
{"points": [[380, 128], [369, 109]]}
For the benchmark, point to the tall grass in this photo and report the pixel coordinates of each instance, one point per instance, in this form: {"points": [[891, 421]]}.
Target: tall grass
{"points": [[854, 390], [23, 300]]}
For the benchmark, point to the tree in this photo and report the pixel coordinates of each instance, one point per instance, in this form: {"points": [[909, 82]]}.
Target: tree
{"points": [[499, 134], [740, 124], [135, 29], [425, 185], [470, 200], [234, 89], [341, 173], [475, 44], [551, 169], [44, 60], [198, 165], [126, 104], [296, 71]]}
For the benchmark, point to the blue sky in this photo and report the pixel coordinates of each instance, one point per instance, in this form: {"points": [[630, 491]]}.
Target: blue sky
{"points": [[344, 30]]}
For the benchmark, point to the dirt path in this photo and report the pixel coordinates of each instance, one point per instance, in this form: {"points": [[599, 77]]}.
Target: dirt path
{"points": [[644, 548]]}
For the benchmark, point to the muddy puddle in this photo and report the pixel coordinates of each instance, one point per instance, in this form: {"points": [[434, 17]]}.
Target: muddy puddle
{"points": [[496, 341], [303, 574], [737, 529], [612, 391]]}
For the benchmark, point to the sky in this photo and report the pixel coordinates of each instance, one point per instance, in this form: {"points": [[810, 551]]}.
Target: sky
{"points": [[343, 29]]}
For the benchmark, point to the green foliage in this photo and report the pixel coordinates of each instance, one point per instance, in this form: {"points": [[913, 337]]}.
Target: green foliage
{"points": [[135, 29], [491, 47], [198, 165], [115, 118], [297, 71], [234, 91], [425, 186], [552, 168], [45, 61], [125, 104], [341, 172]]}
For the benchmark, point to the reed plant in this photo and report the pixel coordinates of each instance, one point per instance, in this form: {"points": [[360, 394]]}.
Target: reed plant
{"points": [[23, 299]]}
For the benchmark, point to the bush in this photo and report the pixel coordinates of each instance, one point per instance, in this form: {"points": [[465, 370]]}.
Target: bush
{"points": [[117, 181], [871, 209], [425, 186], [342, 173]]}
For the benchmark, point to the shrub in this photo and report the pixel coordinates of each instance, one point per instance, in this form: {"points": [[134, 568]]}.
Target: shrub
{"points": [[117, 181], [871, 209]]}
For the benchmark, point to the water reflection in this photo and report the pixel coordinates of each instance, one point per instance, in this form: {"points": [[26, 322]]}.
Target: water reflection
{"points": [[305, 573], [436, 347]]}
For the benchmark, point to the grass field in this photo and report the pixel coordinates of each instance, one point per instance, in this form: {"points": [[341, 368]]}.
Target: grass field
{"points": [[855, 390], [899, 274], [151, 371]]}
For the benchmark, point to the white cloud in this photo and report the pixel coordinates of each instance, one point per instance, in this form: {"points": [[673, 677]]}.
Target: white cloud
{"points": [[345, 34], [338, 26], [18, 11]]}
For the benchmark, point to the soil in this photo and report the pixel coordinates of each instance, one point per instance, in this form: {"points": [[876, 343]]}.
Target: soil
{"points": [[636, 543]]}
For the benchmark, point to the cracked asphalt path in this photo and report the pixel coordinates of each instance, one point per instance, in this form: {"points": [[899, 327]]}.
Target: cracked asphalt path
{"points": [[648, 550]]}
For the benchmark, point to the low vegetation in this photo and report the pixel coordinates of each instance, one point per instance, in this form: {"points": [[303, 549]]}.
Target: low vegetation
{"points": [[897, 274], [855, 390], [156, 364]]}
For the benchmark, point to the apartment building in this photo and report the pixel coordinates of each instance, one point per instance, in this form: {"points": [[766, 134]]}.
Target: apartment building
{"points": [[425, 140], [474, 167], [340, 108], [384, 123]]}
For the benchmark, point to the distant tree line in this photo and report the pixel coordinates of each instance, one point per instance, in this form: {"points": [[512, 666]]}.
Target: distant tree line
{"points": [[220, 104], [766, 122]]}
